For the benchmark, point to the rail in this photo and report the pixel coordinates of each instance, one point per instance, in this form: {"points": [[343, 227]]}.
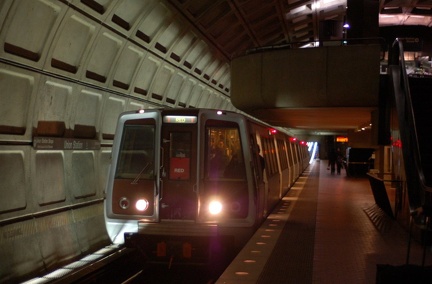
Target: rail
{"points": [[319, 43], [112, 264]]}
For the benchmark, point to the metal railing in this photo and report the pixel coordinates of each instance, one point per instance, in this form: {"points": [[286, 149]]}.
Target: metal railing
{"points": [[416, 186]]}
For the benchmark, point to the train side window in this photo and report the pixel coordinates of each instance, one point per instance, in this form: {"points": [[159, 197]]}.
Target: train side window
{"points": [[290, 155], [136, 154], [180, 150], [282, 154], [224, 154]]}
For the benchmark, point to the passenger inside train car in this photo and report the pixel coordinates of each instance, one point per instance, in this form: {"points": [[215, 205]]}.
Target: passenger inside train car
{"points": [[224, 148], [235, 168]]}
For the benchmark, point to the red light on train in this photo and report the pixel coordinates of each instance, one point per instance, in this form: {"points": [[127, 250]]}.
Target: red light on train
{"points": [[272, 131], [302, 143], [293, 139], [397, 144]]}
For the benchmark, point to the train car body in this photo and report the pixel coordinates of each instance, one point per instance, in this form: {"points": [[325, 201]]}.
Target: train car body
{"points": [[185, 184]]}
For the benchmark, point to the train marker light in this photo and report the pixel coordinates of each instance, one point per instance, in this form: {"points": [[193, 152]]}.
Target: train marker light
{"points": [[124, 203], [215, 207], [142, 205]]}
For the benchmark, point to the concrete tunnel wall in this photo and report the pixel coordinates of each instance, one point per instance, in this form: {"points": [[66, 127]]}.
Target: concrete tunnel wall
{"points": [[67, 70]]}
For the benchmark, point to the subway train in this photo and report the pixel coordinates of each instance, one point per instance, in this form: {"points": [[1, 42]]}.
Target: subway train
{"points": [[190, 185]]}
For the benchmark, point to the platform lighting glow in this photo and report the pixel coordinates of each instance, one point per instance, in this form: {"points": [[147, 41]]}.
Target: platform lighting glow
{"points": [[142, 205], [313, 152], [310, 145], [298, 9], [215, 207]]}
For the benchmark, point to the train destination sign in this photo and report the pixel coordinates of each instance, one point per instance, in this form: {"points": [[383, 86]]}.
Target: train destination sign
{"points": [[56, 143], [180, 119]]}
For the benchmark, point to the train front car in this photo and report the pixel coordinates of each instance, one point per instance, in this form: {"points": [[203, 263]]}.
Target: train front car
{"points": [[182, 185]]}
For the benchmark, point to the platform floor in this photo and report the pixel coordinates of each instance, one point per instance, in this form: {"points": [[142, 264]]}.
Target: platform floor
{"points": [[327, 229]]}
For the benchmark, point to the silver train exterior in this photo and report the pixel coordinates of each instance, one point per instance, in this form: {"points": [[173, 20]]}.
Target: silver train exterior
{"points": [[189, 184]]}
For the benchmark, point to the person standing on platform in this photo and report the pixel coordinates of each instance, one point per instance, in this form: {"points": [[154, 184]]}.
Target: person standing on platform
{"points": [[339, 161], [332, 161]]}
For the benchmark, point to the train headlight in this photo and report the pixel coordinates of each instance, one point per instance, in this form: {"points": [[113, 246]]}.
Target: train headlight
{"points": [[215, 207], [142, 205]]}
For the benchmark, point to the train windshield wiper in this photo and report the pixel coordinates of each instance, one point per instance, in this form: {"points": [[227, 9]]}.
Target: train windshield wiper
{"points": [[135, 181]]}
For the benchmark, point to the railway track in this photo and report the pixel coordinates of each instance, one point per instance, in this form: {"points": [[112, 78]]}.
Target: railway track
{"points": [[118, 264], [112, 264]]}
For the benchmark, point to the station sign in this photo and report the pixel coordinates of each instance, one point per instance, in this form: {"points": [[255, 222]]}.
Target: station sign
{"points": [[342, 139], [56, 143]]}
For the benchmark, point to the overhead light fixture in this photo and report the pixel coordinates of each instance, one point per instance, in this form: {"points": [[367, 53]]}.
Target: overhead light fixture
{"points": [[298, 9]]}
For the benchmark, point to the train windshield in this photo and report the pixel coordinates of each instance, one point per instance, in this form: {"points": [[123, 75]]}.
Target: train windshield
{"points": [[224, 153], [136, 154]]}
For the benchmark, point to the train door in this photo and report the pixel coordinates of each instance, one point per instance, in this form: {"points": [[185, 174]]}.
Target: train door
{"points": [[291, 163], [178, 169], [261, 184], [225, 182]]}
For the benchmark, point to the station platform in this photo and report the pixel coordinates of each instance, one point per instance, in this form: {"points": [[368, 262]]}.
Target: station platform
{"points": [[327, 229]]}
